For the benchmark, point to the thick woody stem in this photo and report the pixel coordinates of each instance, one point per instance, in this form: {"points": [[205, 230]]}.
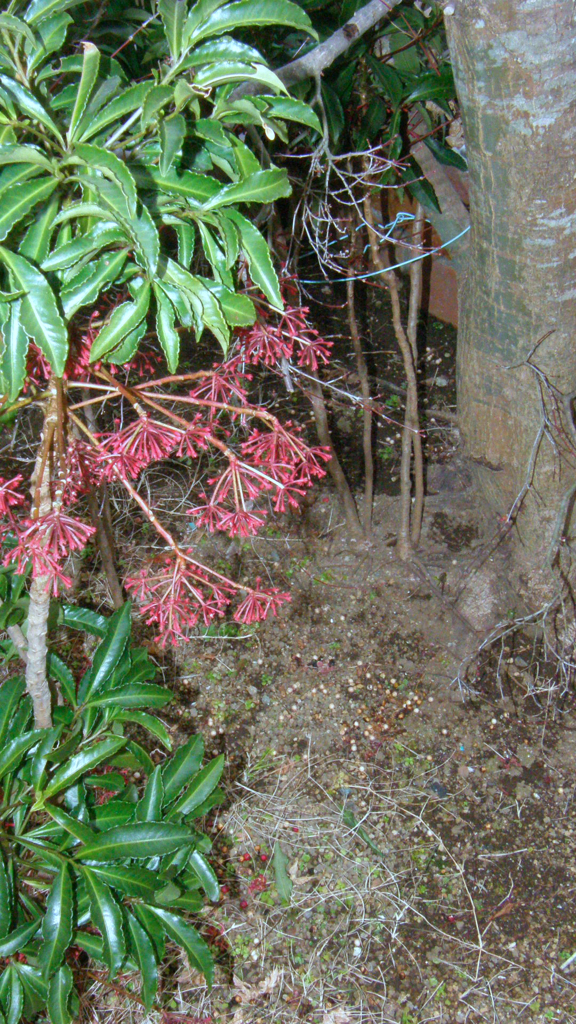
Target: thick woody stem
{"points": [[412, 331], [36, 676], [366, 398]]}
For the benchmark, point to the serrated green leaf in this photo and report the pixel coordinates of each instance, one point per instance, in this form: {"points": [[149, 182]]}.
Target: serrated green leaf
{"points": [[218, 50], [206, 306], [36, 242], [11, 995], [81, 763], [41, 755], [213, 76], [260, 187], [145, 235], [84, 618], [434, 85], [39, 10], [70, 824], [200, 867], [39, 312], [184, 763], [246, 13], [88, 78], [52, 33], [97, 238], [446, 155], [156, 99], [148, 722], [107, 917], [13, 752], [173, 14], [115, 812], [196, 188], [238, 309], [136, 695], [59, 992], [139, 841], [259, 260], [11, 153], [201, 786], [85, 287], [128, 101], [145, 957], [153, 928], [294, 110], [58, 669], [172, 134], [16, 26], [419, 187], [29, 105], [14, 353], [13, 942], [196, 949], [111, 167], [132, 881], [21, 199], [6, 903], [150, 806], [57, 923], [108, 652]]}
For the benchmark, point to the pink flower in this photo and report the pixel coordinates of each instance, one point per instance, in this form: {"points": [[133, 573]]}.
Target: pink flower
{"points": [[130, 450], [10, 496], [46, 543], [259, 603]]}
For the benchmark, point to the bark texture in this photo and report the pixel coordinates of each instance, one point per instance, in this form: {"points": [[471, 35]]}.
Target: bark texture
{"points": [[515, 69]]}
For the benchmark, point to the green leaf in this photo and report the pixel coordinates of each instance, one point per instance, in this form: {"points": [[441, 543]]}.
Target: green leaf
{"points": [[10, 153], [260, 187], [206, 780], [419, 187], [57, 923], [136, 695], [182, 933], [20, 199], [196, 188], [173, 14], [172, 134], [108, 653], [35, 989], [111, 167], [128, 101], [59, 992], [14, 354], [294, 110], [259, 260], [132, 881], [145, 235], [446, 155], [284, 883], [238, 309], [11, 995], [71, 252], [83, 762], [181, 767], [6, 908], [70, 824], [139, 841], [13, 752], [434, 85], [84, 618], [107, 917], [167, 334], [29, 105], [387, 79], [246, 13], [40, 317], [41, 755], [91, 944], [39, 10], [153, 928], [36, 242], [218, 50], [18, 938], [148, 722], [17, 27], [156, 99], [58, 669], [52, 32], [85, 287], [145, 957], [150, 806], [200, 867], [88, 78]]}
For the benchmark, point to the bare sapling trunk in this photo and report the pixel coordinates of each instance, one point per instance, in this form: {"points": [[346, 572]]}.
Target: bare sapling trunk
{"points": [[39, 607], [366, 396], [414, 305], [410, 519], [99, 505], [333, 467]]}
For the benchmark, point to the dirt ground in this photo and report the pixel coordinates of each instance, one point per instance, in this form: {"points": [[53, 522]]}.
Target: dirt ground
{"points": [[396, 846]]}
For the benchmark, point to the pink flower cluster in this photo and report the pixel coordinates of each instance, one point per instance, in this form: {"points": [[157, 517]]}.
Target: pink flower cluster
{"points": [[291, 335]]}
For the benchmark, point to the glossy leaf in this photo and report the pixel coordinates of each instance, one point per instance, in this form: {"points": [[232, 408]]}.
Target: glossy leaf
{"points": [[178, 771], [11, 153], [70, 824], [85, 287], [107, 917], [52, 33], [198, 864], [88, 78], [186, 936], [150, 805], [59, 992], [139, 841], [84, 618], [145, 957], [173, 14], [172, 133], [39, 313], [136, 695], [155, 100], [130, 100], [6, 907], [39, 10], [167, 334], [132, 881], [259, 260], [20, 199], [294, 110], [108, 653], [15, 940], [111, 167], [247, 13], [40, 757], [261, 187], [36, 242], [201, 786], [29, 105], [83, 762], [97, 238], [11, 995], [57, 923], [13, 752], [14, 352], [58, 669]]}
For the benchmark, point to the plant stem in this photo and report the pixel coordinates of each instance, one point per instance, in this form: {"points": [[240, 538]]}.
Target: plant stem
{"points": [[366, 396]]}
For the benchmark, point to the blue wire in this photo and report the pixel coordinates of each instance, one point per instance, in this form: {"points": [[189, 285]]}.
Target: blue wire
{"points": [[395, 266]]}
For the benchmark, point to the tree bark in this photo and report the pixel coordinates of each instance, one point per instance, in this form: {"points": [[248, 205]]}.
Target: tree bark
{"points": [[515, 70]]}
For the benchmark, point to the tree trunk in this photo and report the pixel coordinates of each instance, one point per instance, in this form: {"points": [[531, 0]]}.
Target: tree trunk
{"points": [[515, 69]]}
